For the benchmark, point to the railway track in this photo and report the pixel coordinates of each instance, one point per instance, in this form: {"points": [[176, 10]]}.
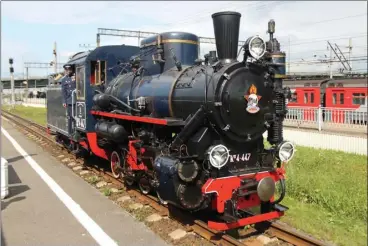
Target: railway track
{"points": [[283, 232]]}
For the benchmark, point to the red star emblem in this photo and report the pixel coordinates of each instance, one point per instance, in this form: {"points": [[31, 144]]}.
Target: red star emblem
{"points": [[252, 90]]}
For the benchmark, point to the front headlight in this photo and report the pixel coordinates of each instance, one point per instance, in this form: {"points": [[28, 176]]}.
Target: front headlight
{"points": [[218, 156], [285, 151], [255, 46]]}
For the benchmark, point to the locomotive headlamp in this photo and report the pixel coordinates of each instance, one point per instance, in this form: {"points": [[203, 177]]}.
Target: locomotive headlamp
{"points": [[285, 151], [255, 46], [218, 156]]}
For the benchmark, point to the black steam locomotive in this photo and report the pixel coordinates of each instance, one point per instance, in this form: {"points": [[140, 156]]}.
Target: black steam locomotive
{"points": [[192, 130]]}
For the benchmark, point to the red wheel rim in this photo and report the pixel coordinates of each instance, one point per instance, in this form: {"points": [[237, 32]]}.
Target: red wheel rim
{"points": [[115, 164]]}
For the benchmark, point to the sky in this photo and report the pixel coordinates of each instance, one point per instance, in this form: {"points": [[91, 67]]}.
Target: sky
{"points": [[30, 28]]}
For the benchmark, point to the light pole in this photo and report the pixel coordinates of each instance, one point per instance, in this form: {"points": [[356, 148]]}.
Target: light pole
{"points": [[12, 81]]}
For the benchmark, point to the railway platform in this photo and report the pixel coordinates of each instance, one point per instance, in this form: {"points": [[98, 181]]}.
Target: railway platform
{"points": [[50, 205]]}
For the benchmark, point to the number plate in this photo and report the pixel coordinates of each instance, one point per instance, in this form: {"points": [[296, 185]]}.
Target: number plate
{"points": [[239, 157]]}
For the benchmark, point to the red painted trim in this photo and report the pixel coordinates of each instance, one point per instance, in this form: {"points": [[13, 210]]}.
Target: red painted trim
{"points": [[220, 226], [132, 158], [132, 118], [224, 187], [92, 141], [84, 144]]}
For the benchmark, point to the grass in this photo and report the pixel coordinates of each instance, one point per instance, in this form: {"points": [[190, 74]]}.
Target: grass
{"points": [[37, 115], [327, 195], [326, 191], [334, 180], [93, 179], [322, 224], [107, 191]]}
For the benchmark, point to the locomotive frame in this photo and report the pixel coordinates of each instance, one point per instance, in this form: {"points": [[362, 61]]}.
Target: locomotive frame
{"points": [[188, 129]]}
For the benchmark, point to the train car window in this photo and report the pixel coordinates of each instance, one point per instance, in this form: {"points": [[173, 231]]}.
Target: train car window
{"points": [[307, 85], [331, 85], [80, 80], [305, 97], [312, 97], [94, 67], [358, 98], [334, 98], [340, 85], [341, 98], [100, 72], [294, 97]]}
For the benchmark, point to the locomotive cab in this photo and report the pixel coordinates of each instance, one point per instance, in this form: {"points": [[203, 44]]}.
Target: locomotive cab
{"points": [[88, 68]]}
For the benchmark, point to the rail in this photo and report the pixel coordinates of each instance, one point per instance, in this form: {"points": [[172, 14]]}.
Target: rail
{"points": [[283, 232], [323, 118]]}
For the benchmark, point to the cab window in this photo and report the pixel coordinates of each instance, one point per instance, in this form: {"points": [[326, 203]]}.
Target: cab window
{"points": [[80, 80], [98, 72]]}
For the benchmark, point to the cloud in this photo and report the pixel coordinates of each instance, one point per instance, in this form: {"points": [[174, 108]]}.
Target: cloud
{"points": [[308, 25]]}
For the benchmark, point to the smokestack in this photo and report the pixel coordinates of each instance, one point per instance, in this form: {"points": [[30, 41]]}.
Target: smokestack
{"points": [[226, 26]]}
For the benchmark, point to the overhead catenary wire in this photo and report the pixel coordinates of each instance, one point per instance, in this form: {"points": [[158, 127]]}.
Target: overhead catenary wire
{"points": [[324, 63], [328, 20], [324, 39], [360, 47]]}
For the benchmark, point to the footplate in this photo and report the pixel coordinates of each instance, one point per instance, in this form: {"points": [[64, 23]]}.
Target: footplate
{"points": [[222, 226]]}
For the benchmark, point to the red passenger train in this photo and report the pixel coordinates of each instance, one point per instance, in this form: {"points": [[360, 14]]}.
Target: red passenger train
{"points": [[344, 99]]}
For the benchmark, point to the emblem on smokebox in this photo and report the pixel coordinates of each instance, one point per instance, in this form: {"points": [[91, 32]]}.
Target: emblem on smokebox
{"points": [[253, 99]]}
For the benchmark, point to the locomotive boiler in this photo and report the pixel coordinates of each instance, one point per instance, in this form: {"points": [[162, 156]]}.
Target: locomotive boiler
{"points": [[192, 129]]}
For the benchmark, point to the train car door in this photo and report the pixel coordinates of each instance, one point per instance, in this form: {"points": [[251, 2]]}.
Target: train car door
{"points": [[80, 108], [338, 102], [310, 113]]}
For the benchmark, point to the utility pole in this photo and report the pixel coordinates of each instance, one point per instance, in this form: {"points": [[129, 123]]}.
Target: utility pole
{"points": [[98, 40], [289, 57], [55, 58], [331, 63], [350, 47], [330, 48], [27, 77], [12, 81]]}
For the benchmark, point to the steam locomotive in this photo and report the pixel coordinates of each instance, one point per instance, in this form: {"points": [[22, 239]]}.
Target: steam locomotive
{"points": [[191, 130]]}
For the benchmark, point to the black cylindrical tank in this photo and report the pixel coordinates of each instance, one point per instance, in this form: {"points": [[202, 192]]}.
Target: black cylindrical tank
{"points": [[111, 131], [226, 26], [102, 100]]}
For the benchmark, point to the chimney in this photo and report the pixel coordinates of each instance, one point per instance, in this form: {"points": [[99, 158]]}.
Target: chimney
{"points": [[226, 26]]}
